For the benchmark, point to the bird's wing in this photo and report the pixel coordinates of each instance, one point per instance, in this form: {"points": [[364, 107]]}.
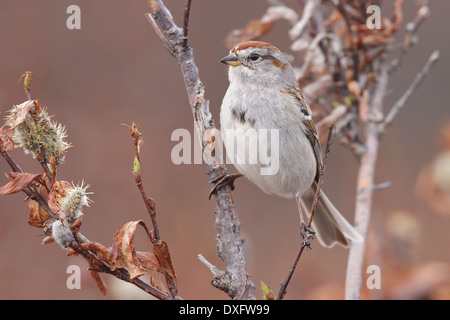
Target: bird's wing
{"points": [[310, 128]]}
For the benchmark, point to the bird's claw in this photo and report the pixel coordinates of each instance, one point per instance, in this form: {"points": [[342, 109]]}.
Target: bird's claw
{"points": [[307, 234], [222, 181]]}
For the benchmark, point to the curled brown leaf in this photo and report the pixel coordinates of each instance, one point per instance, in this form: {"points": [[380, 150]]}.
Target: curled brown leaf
{"points": [[38, 216], [21, 114], [161, 251], [123, 253], [6, 142], [19, 181]]}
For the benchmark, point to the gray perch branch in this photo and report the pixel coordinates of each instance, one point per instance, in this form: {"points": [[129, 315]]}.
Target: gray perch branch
{"points": [[235, 280]]}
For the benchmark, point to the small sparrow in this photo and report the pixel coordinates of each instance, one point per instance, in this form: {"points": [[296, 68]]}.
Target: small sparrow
{"points": [[264, 94]]}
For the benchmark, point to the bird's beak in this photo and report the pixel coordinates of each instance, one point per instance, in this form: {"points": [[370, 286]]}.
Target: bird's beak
{"points": [[231, 60]]}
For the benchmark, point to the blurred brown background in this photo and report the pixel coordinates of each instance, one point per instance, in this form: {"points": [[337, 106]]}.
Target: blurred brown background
{"points": [[115, 70]]}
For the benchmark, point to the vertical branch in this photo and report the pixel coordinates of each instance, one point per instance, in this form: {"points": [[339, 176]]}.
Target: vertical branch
{"points": [[364, 192], [236, 281], [149, 203], [365, 180]]}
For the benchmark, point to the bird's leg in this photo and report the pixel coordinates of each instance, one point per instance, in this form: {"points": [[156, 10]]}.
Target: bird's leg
{"points": [[222, 181], [306, 231], [299, 207]]}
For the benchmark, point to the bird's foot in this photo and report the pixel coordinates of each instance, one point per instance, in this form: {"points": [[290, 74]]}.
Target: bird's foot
{"points": [[222, 181], [307, 234]]}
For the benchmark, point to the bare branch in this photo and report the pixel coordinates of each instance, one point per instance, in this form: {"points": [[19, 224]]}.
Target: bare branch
{"points": [[218, 274], [364, 193], [236, 283], [408, 93]]}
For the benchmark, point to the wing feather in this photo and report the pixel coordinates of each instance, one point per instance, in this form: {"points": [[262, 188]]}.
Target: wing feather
{"points": [[310, 127]]}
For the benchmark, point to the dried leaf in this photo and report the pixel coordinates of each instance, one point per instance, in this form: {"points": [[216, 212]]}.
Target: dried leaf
{"points": [[99, 250], [161, 251], [20, 116], [158, 280], [149, 261], [102, 254], [56, 194], [38, 215], [19, 182], [123, 250], [6, 142], [101, 285]]}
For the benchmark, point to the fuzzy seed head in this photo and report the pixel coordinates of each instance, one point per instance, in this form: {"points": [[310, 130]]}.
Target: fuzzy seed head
{"points": [[61, 233], [39, 133], [74, 200]]}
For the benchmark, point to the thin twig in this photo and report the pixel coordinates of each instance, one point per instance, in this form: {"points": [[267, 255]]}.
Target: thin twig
{"points": [[14, 166], [412, 29], [381, 186], [160, 35], [214, 270], [187, 11], [434, 57], [285, 283], [30, 191], [306, 231], [44, 164], [149, 203]]}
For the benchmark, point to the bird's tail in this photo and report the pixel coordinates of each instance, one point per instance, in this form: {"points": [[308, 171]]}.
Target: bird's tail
{"points": [[330, 226]]}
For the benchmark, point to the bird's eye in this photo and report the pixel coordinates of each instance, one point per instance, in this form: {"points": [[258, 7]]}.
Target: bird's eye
{"points": [[254, 56]]}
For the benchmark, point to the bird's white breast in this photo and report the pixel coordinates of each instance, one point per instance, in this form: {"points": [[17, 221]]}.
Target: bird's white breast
{"points": [[247, 109]]}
